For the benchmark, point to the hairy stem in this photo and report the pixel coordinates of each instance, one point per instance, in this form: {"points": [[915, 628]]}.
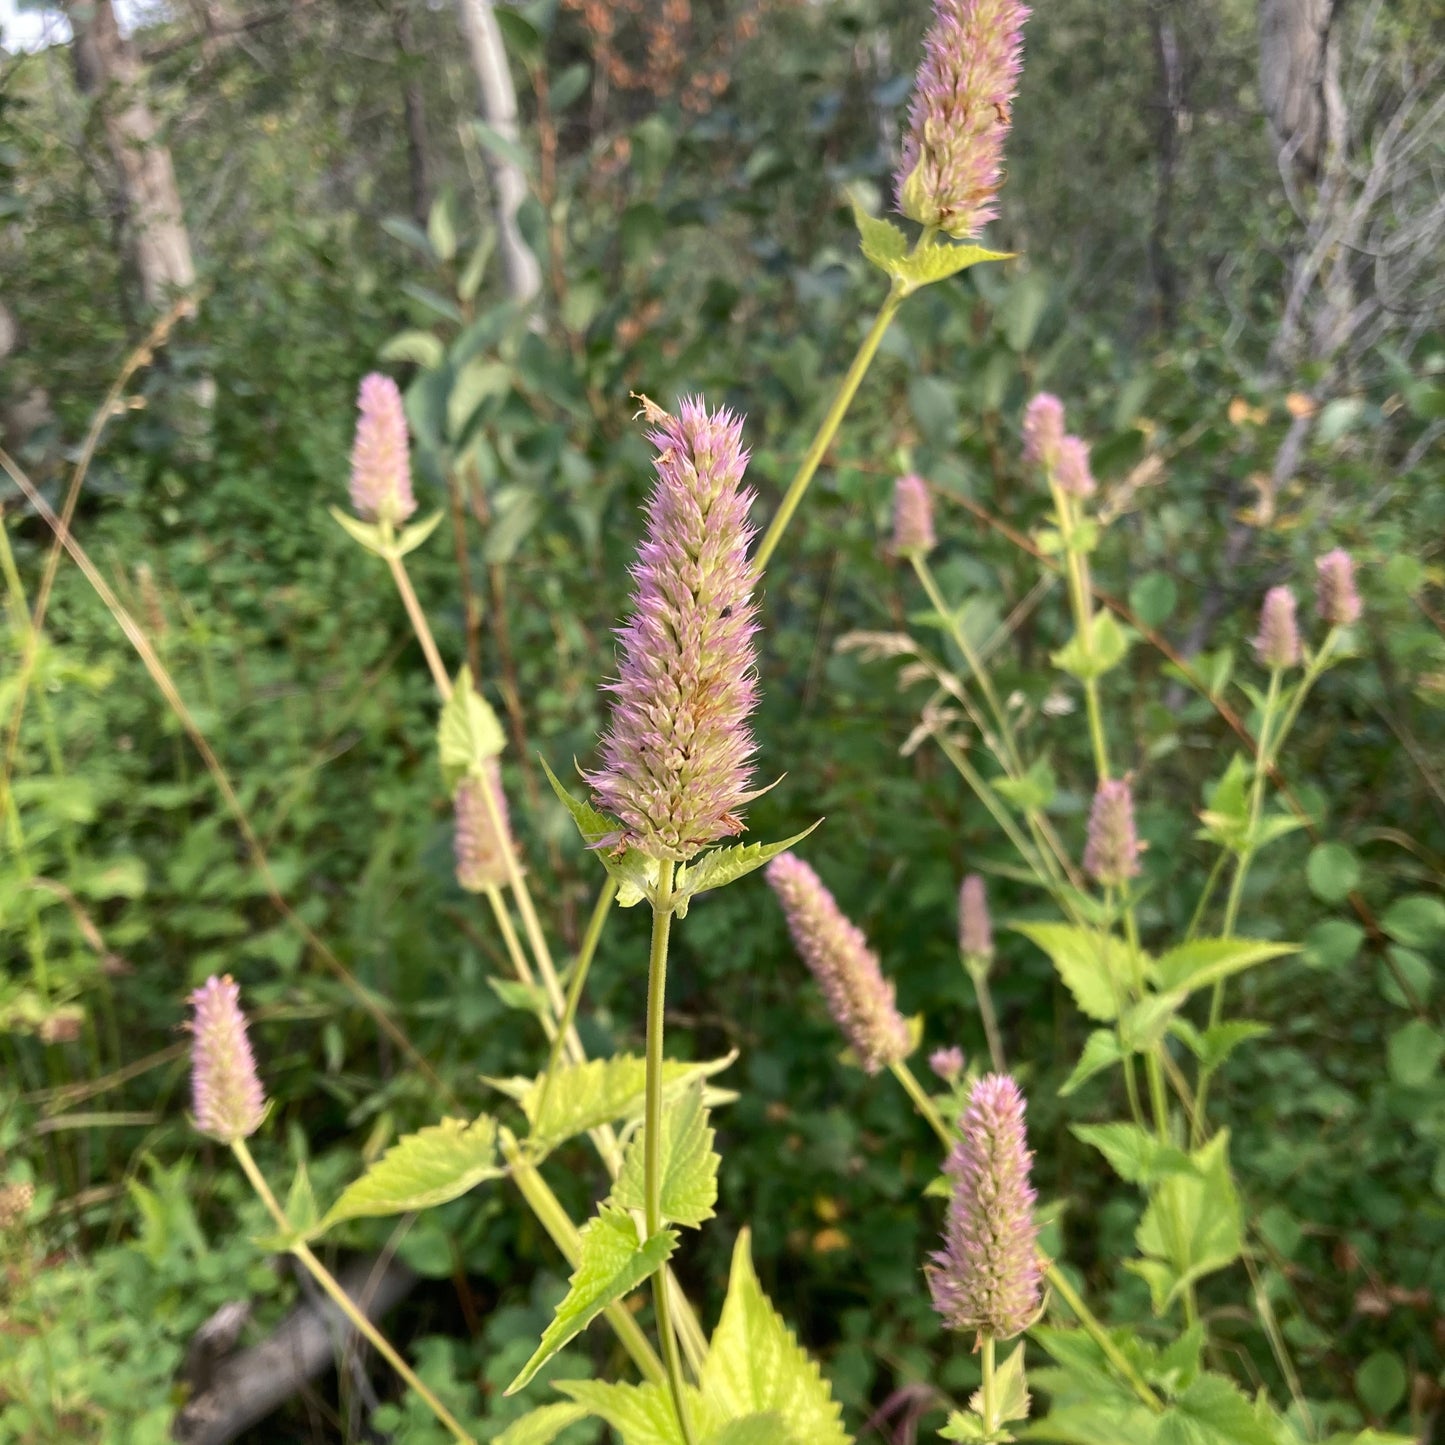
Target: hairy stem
{"points": [[652, 1130]]}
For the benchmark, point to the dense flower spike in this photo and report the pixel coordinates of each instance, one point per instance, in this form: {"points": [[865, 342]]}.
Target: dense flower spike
{"points": [[1071, 471], [952, 161], [1277, 641], [1337, 596], [380, 463], [947, 1063], [912, 517], [860, 999], [975, 928], [987, 1276], [676, 759], [481, 855], [1043, 431], [1111, 855], [226, 1091]]}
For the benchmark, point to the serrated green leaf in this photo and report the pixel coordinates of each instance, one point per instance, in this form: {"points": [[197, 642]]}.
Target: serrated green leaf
{"points": [[541, 1426], [727, 865], [301, 1207], [417, 346], [689, 1164], [1011, 1395], [1212, 1411], [1094, 966], [369, 534], [1136, 1156], [938, 260], [1205, 961], [1109, 646], [583, 1096], [410, 538], [611, 1264], [883, 243], [469, 733], [1213, 1046], [639, 1414], [754, 1365], [1101, 1051], [636, 875], [1034, 791], [767, 1429], [1192, 1227], [422, 1170], [963, 1427], [1225, 817], [526, 997], [1090, 1423], [1146, 1022]]}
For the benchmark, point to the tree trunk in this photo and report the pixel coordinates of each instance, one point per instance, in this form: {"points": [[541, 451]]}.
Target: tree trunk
{"points": [[106, 67], [499, 110], [1296, 67], [417, 151]]}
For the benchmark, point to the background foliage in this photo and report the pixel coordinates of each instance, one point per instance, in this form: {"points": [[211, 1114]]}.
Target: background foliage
{"points": [[695, 237]]}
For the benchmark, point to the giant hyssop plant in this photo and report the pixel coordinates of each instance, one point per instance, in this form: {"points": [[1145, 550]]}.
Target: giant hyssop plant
{"points": [[677, 770]]}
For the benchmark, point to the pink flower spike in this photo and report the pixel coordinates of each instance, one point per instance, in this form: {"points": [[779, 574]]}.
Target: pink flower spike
{"points": [[380, 461], [1043, 431], [1337, 595], [975, 929], [912, 517], [951, 166], [227, 1098], [1071, 472], [480, 854], [860, 999], [1277, 642], [987, 1278], [947, 1063], [1111, 856], [677, 758]]}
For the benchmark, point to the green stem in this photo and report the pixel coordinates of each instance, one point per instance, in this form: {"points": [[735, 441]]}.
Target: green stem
{"points": [[577, 983], [978, 972], [1058, 1282], [991, 1421], [340, 1298], [652, 1131], [923, 1103], [419, 625], [564, 1234], [829, 427]]}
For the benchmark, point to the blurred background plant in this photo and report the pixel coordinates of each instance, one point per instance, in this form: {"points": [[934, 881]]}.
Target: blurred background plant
{"points": [[1229, 230]]}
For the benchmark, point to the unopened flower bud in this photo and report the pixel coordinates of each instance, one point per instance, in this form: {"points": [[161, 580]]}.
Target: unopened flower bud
{"points": [[987, 1277], [481, 855], [947, 1063], [1112, 853], [226, 1091], [975, 928], [1277, 642], [912, 517], [952, 161], [1338, 598], [676, 761], [1043, 431], [861, 1000], [380, 461], [1071, 472]]}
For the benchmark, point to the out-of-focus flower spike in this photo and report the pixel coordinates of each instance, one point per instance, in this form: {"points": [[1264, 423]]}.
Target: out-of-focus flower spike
{"points": [[912, 517], [380, 460], [1338, 597], [947, 1063], [975, 928], [987, 1277], [481, 856], [1071, 471], [1111, 855], [861, 1000], [227, 1098], [1277, 642], [1043, 431]]}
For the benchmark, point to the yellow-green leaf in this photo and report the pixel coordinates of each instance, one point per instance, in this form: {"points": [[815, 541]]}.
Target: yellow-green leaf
{"points": [[689, 1164]]}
